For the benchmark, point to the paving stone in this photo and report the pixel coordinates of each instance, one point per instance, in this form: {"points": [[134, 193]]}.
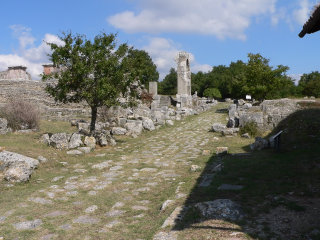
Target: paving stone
{"points": [[65, 227], [28, 225], [166, 204], [86, 220], [206, 180], [91, 209], [57, 213], [115, 213], [49, 237], [230, 187], [40, 200], [172, 235], [140, 208]]}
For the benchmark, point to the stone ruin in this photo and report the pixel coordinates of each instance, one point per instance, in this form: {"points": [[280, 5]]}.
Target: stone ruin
{"points": [[15, 73]]}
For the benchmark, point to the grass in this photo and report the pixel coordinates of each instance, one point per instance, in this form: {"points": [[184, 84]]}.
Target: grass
{"points": [[267, 176]]}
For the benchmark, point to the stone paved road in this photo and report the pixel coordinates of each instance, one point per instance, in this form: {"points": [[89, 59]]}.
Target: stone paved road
{"points": [[116, 193]]}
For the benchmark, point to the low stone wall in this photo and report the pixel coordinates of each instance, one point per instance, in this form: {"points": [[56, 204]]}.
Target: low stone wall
{"points": [[34, 92], [267, 115]]}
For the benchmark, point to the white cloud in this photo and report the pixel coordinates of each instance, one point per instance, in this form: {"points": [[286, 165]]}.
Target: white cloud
{"points": [[28, 54], [295, 77], [223, 19], [301, 15], [163, 52]]}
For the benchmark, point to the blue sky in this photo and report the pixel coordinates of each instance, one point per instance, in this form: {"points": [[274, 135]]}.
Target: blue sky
{"points": [[214, 31]]}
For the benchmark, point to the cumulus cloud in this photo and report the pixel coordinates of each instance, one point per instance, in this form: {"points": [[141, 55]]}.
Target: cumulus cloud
{"points": [[301, 15], [28, 54], [223, 19], [163, 52]]}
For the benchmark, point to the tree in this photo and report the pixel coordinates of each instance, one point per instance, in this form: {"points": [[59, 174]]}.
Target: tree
{"points": [[97, 71], [212, 93], [142, 66], [309, 84], [169, 84], [262, 81]]}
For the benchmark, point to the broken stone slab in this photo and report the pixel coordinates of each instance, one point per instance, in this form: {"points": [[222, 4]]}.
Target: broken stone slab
{"points": [[230, 187], [85, 149], [169, 122], [45, 138], [16, 167], [134, 127], [223, 209]]}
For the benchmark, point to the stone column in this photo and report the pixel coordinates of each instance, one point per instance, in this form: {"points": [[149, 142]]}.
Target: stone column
{"points": [[153, 88], [184, 74]]}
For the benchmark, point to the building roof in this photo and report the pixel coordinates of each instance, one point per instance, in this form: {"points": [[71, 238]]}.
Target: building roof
{"points": [[313, 24]]}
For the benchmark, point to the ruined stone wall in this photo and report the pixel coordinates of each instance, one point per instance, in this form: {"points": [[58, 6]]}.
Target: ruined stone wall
{"points": [[15, 73], [34, 92]]}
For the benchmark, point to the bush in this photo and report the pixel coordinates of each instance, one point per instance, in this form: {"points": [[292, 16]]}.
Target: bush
{"points": [[251, 128], [21, 115], [212, 93], [146, 98]]}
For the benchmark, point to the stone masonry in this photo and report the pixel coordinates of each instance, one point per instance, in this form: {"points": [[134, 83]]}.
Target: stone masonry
{"points": [[15, 73], [184, 73]]}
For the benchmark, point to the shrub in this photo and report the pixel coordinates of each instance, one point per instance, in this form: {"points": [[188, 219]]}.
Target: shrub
{"points": [[146, 98], [251, 128], [212, 93], [21, 114]]}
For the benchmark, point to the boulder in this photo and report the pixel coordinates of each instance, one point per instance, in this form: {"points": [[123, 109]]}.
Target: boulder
{"points": [[83, 127], [118, 131], [75, 141], [90, 142], [148, 124], [134, 127], [16, 167], [59, 141], [259, 144], [241, 102], [85, 149], [228, 132], [223, 209], [218, 127], [45, 138]]}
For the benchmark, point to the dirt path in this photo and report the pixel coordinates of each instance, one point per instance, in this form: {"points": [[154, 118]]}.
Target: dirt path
{"points": [[115, 193]]}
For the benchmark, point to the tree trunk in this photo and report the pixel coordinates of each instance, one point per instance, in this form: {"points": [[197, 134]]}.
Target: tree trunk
{"points": [[93, 119]]}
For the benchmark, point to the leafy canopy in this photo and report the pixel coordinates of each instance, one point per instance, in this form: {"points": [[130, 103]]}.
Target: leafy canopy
{"points": [[98, 72]]}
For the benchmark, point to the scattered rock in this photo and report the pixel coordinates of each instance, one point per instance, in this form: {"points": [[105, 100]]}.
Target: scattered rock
{"points": [[218, 127], [75, 141], [59, 141], [90, 142], [172, 235], [170, 122], [148, 124], [221, 150], [259, 144], [118, 131], [85, 149], [224, 209], [245, 135], [195, 168], [74, 152], [16, 167], [91, 209], [42, 159]]}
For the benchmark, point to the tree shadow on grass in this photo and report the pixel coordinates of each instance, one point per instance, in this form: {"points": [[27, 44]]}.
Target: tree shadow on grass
{"points": [[281, 189]]}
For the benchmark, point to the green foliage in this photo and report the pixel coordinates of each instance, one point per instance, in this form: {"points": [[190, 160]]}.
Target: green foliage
{"points": [[212, 93], [98, 72], [251, 128], [142, 66], [169, 84], [309, 84]]}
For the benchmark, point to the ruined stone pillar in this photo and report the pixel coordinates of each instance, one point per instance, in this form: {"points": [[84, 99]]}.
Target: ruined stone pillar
{"points": [[153, 88], [184, 74]]}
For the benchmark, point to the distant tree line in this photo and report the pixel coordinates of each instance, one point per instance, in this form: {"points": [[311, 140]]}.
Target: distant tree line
{"points": [[255, 77]]}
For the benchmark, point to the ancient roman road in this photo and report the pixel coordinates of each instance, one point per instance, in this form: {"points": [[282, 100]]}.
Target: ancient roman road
{"points": [[116, 193]]}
